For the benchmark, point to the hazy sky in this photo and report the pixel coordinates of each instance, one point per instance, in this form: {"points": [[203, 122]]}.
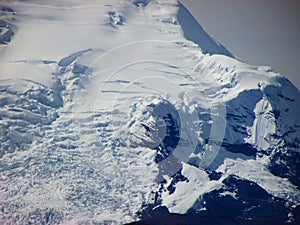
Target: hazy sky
{"points": [[258, 32]]}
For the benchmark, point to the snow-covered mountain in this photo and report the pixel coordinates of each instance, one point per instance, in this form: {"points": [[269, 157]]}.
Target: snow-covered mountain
{"points": [[116, 111]]}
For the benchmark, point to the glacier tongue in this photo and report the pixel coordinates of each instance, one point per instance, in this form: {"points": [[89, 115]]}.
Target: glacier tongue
{"points": [[109, 113]]}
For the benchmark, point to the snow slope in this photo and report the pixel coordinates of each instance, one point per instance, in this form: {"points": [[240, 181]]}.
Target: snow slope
{"points": [[112, 110]]}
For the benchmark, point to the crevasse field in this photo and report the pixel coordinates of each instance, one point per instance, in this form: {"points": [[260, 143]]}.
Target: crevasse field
{"points": [[118, 111]]}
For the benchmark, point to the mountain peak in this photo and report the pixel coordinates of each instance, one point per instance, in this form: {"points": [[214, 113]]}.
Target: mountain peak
{"points": [[193, 31], [116, 111]]}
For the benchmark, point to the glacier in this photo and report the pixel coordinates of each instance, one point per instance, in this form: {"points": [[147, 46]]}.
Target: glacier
{"points": [[119, 111]]}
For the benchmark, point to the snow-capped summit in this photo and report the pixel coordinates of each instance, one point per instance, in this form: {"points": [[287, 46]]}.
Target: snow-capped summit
{"points": [[116, 111]]}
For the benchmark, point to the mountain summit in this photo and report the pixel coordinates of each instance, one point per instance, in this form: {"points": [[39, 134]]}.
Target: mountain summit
{"points": [[119, 111]]}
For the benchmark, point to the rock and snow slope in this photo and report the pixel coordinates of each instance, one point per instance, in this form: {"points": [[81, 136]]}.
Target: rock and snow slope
{"points": [[112, 110]]}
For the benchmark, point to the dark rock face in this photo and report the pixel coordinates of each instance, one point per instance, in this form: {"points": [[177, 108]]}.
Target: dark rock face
{"points": [[6, 24], [171, 138], [6, 35], [203, 219], [239, 201], [246, 148], [285, 163], [240, 198], [285, 158]]}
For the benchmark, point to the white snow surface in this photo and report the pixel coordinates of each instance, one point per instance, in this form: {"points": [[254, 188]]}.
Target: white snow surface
{"points": [[186, 193], [76, 82]]}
